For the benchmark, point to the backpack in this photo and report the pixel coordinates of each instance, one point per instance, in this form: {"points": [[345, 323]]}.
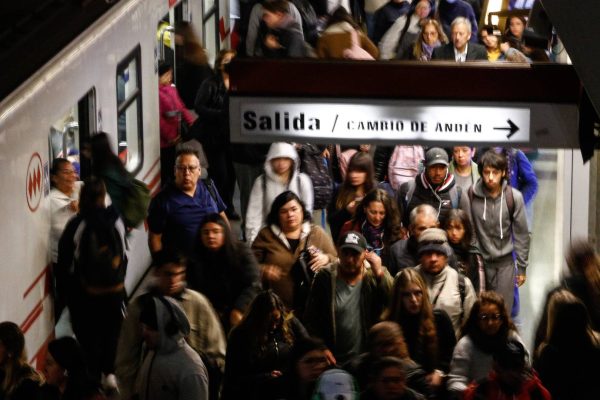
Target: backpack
{"points": [[99, 256], [313, 164], [335, 384], [135, 202]]}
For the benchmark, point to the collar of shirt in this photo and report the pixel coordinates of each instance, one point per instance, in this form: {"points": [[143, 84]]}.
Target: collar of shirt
{"points": [[461, 57]]}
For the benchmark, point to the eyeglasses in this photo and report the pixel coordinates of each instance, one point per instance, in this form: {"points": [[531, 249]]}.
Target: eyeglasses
{"points": [[409, 294], [491, 317], [184, 168]]}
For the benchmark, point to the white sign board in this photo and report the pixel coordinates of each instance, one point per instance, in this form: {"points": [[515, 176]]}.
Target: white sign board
{"points": [[261, 119]]}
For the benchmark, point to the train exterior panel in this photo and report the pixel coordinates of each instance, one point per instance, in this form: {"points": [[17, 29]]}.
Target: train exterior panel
{"points": [[86, 68]]}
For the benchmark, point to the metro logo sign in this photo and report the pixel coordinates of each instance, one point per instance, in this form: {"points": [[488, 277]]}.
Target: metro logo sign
{"points": [[33, 182]]}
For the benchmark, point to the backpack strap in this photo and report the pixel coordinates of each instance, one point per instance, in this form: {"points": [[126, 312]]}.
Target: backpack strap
{"points": [[462, 289], [510, 201], [210, 186], [412, 184], [455, 195]]}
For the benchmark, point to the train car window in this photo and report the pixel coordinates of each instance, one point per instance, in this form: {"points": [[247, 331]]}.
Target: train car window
{"points": [[129, 111], [210, 26], [71, 130]]}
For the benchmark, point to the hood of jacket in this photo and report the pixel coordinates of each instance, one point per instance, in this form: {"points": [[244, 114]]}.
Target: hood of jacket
{"points": [[445, 186], [167, 313], [280, 150]]}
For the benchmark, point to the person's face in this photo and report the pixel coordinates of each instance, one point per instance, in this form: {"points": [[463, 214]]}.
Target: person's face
{"points": [[351, 261], [437, 173], [422, 9], [412, 298], [462, 156], [150, 336], [430, 34], [375, 212], [290, 216], [516, 27], [455, 231], [433, 262], [390, 384], [312, 365], [281, 165], [272, 19], [492, 178], [226, 59], [212, 236], [490, 41], [171, 279], [510, 379], [422, 222], [54, 373], [187, 172], [65, 178], [274, 320], [460, 36], [166, 78], [490, 319], [357, 178]]}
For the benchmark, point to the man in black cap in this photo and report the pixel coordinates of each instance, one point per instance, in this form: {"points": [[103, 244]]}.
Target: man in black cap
{"points": [[510, 378], [434, 186], [356, 283]]}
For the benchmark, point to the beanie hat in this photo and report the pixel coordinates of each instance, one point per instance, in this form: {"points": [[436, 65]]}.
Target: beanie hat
{"points": [[434, 239]]}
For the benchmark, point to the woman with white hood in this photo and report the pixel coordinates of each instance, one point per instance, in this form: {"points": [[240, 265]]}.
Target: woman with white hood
{"points": [[282, 172]]}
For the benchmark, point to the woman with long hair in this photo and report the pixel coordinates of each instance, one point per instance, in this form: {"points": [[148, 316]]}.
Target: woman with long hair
{"points": [[378, 219], [258, 350], [584, 282], [429, 334], [359, 180], [18, 380], [224, 270], [567, 359], [486, 330], [291, 249], [432, 35], [343, 38], [192, 62], [469, 261]]}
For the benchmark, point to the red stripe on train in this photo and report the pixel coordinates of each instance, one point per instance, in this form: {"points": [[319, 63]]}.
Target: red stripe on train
{"points": [[42, 274], [150, 170], [33, 316]]}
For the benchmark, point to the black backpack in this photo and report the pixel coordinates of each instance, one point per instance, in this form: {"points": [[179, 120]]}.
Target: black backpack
{"points": [[313, 164], [99, 259]]}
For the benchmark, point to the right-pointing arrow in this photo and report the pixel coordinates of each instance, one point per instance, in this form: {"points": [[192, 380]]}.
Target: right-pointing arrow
{"points": [[512, 128]]}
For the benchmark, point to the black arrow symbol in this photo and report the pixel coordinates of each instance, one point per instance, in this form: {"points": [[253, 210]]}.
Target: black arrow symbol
{"points": [[511, 127]]}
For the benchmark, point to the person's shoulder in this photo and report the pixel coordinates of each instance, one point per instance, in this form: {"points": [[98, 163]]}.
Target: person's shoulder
{"points": [[195, 297]]}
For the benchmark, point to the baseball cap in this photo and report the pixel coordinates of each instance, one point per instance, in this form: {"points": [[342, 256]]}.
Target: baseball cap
{"points": [[436, 155], [434, 239], [353, 240]]}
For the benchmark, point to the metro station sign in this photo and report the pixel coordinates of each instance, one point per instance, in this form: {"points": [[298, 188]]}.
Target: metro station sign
{"points": [[335, 120]]}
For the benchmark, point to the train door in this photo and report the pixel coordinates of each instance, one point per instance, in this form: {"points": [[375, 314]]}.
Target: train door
{"points": [[72, 130]]}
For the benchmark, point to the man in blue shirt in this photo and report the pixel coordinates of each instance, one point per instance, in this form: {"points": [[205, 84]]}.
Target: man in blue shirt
{"points": [[176, 213]]}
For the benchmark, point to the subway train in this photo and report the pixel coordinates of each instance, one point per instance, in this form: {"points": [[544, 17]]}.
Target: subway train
{"points": [[105, 80]]}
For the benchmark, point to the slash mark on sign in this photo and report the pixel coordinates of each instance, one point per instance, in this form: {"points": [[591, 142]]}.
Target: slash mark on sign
{"points": [[334, 123]]}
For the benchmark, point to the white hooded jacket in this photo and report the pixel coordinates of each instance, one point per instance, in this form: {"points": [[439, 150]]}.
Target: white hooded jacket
{"points": [[268, 186]]}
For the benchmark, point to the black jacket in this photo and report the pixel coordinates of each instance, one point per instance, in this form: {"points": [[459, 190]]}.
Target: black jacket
{"points": [[211, 127], [475, 52]]}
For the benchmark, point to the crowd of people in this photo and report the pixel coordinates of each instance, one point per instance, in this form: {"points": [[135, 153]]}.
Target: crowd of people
{"points": [[374, 272]]}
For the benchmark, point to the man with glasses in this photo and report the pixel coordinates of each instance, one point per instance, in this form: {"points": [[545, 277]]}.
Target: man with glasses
{"points": [[448, 290], [176, 213]]}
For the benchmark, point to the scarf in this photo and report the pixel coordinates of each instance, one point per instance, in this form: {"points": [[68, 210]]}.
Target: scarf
{"points": [[374, 236], [428, 50]]}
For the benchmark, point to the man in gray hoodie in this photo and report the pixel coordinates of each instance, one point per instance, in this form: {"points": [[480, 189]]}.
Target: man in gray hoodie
{"points": [[171, 369], [500, 223]]}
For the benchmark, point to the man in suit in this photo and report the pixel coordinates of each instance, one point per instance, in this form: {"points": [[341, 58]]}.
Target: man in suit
{"points": [[460, 50]]}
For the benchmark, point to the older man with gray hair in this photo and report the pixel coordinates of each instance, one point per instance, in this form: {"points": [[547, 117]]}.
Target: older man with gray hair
{"points": [[459, 49]]}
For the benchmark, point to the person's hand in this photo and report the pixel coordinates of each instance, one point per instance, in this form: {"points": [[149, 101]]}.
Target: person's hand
{"points": [[521, 280], [235, 317], [326, 153], [271, 42], [375, 262], [435, 379], [330, 357], [74, 205], [351, 207], [271, 273], [318, 260], [504, 47]]}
